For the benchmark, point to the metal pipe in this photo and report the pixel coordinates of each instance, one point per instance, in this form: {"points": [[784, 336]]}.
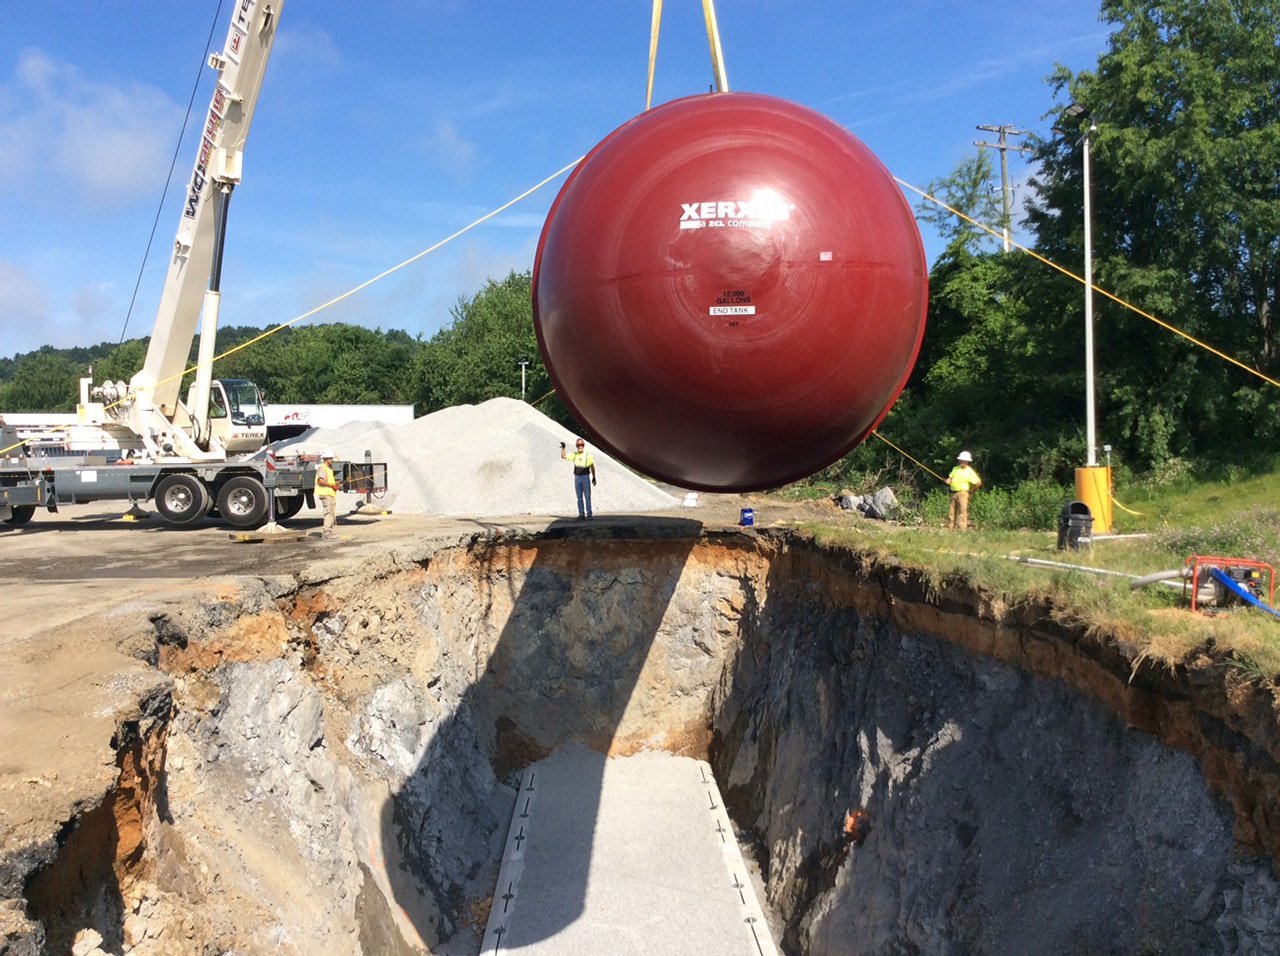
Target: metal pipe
{"points": [[1135, 582], [201, 425], [1178, 573], [1042, 563]]}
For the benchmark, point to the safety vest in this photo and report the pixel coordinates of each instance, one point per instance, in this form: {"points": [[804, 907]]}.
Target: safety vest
{"points": [[962, 478], [581, 459], [326, 490]]}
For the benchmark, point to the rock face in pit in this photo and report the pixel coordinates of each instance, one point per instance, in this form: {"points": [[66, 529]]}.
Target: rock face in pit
{"points": [[331, 775], [1008, 812]]}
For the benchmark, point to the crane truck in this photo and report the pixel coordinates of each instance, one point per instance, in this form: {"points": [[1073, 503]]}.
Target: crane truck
{"points": [[138, 440]]}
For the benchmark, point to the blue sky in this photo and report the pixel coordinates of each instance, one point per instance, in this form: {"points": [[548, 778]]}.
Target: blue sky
{"points": [[384, 128]]}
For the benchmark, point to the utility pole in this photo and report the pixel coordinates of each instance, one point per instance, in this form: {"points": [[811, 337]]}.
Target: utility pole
{"points": [[1003, 131]]}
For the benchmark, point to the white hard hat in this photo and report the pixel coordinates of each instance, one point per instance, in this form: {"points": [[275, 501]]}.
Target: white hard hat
{"points": [[327, 453], [964, 456]]}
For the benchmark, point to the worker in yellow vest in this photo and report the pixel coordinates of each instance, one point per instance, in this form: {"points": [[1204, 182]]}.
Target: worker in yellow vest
{"points": [[584, 475], [962, 480], [326, 493]]}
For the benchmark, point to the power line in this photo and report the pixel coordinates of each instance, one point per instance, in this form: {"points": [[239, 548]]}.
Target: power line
{"points": [[1004, 131], [217, 16]]}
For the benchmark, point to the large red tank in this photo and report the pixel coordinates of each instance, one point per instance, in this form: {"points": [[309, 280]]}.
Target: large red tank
{"points": [[729, 292]]}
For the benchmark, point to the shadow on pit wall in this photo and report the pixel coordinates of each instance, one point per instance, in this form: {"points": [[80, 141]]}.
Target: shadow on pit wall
{"points": [[561, 670]]}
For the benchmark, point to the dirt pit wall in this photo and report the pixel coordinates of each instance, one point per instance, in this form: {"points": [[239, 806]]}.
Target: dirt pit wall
{"points": [[330, 767]]}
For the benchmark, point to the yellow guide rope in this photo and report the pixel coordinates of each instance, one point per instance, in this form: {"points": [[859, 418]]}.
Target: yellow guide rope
{"points": [[908, 457], [1103, 292], [350, 292]]}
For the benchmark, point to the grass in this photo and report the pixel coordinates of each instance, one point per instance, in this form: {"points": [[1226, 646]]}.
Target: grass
{"points": [[1237, 519]]}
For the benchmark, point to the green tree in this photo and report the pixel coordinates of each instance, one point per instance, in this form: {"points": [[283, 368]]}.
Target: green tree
{"points": [[331, 363], [1186, 214], [42, 381], [968, 190], [477, 356], [1000, 368], [121, 363], [997, 373]]}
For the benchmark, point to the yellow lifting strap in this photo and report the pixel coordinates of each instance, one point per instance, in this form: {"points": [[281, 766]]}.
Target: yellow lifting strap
{"points": [[653, 49], [713, 40]]}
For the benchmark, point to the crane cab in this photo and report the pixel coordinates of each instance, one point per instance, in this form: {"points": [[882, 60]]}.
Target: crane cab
{"points": [[237, 418]]}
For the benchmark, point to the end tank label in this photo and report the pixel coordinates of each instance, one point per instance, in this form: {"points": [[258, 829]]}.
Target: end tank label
{"points": [[733, 302]]}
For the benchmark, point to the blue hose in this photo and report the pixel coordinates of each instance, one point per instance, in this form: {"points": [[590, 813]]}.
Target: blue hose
{"points": [[1234, 586]]}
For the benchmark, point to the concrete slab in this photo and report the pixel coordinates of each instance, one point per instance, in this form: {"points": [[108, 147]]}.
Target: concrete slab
{"points": [[628, 855]]}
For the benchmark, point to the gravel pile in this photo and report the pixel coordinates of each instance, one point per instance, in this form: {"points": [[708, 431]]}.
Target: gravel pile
{"points": [[498, 458]]}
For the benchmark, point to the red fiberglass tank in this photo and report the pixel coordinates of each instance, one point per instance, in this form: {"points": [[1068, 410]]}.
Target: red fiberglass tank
{"points": [[729, 292]]}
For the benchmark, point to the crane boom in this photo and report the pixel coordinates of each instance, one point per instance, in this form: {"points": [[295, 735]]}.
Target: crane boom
{"points": [[188, 291]]}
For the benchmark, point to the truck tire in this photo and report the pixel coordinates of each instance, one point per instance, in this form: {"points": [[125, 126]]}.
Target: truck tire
{"points": [[20, 514], [288, 505], [242, 502], [182, 499]]}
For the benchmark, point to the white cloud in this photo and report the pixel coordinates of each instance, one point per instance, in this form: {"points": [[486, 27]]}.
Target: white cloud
{"points": [[34, 313], [65, 137], [478, 262], [308, 44], [447, 147], [24, 305], [94, 309], [968, 75]]}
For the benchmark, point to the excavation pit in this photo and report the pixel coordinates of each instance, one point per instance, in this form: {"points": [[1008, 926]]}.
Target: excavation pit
{"points": [[331, 762]]}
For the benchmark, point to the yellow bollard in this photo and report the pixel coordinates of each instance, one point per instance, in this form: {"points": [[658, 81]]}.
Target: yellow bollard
{"points": [[1093, 487]]}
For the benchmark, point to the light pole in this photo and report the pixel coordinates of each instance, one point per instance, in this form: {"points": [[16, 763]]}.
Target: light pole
{"points": [[1090, 429], [524, 364], [1077, 112], [1093, 484]]}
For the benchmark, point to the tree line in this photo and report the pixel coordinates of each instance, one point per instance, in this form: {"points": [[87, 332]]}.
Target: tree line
{"points": [[1182, 114], [475, 357]]}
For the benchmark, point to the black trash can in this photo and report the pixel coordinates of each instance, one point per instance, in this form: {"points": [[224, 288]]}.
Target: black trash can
{"points": [[1075, 526]]}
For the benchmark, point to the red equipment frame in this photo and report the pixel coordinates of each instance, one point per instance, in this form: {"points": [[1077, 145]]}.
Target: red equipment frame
{"points": [[1192, 566]]}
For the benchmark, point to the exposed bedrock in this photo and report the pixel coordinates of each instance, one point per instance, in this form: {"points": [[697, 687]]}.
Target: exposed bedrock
{"points": [[1008, 811], [330, 768]]}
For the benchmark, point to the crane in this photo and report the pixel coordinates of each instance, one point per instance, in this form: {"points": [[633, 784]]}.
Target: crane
{"points": [[187, 462]]}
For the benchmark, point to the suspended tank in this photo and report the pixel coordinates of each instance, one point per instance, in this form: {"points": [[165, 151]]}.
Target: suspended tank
{"points": [[729, 292]]}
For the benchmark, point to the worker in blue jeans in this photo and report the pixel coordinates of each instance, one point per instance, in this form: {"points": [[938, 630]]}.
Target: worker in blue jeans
{"points": [[584, 475]]}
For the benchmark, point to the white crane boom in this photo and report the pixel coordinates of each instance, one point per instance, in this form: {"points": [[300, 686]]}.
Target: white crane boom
{"points": [[195, 265]]}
